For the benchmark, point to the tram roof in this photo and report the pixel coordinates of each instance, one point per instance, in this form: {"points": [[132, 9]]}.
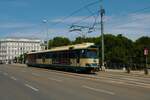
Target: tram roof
{"points": [[69, 47]]}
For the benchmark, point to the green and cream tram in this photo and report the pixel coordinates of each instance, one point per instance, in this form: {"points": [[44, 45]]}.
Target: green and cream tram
{"points": [[78, 58]]}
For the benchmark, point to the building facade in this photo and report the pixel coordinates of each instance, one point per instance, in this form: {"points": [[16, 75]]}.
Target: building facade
{"points": [[11, 48]]}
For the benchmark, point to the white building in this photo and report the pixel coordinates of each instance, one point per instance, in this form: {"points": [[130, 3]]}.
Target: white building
{"points": [[11, 48]]}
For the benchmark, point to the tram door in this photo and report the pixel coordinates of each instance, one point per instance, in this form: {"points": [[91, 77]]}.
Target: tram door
{"points": [[75, 58], [64, 58], [73, 62], [72, 56]]}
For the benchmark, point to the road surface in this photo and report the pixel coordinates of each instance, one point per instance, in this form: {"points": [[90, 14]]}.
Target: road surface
{"points": [[26, 83]]}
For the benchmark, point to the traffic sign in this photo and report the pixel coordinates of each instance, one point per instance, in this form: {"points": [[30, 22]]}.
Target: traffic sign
{"points": [[145, 51]]}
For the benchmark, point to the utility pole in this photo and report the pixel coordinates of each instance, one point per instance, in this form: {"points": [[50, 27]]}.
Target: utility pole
{"points": [[102, 13]]}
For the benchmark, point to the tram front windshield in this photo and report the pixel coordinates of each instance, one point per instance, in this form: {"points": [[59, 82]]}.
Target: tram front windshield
{"points": [[89, 53]]}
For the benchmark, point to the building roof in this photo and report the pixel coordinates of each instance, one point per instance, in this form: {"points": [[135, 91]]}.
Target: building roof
{"points": [[19, 40], [62, 48]]}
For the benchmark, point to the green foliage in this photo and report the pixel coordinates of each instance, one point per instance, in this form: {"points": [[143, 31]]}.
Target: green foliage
{"points": [[118, 49], [139, 45], [21, 58], [59, 41]]}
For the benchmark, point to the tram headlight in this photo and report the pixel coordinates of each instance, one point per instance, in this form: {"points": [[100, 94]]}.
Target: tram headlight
{"points": [[88, 65], [94, 60], [91, 65]]}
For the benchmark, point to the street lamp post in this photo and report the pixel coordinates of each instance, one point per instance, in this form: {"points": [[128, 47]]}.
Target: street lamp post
{"points": [[46, 26]]}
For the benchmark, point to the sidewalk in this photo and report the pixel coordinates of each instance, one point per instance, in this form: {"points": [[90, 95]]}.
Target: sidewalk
{"points": [[124, 71], [17, 64]]}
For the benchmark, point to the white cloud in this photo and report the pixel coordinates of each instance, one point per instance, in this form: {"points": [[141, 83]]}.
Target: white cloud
{"points": [[10, 25], [41, 34], [132, 26], [14, 3], [76, 19]]}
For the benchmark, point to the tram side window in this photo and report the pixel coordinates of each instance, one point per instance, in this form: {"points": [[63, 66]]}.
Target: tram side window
{"points": [[74, 54], [48, 55], [32, 58], [55, 58], [39, 56], [65, 56]]}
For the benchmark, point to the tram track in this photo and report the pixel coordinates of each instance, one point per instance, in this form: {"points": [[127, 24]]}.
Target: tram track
{"points": [[106, 77], [124, 81]]}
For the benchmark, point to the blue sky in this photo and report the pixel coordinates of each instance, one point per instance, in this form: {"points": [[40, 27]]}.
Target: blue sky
{"points": [[23, 18]]}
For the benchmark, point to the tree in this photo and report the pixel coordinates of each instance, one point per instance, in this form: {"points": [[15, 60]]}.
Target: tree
{"points": [[20, 58], [118, 49], [139, 45], [50, 44], [59, 41]]}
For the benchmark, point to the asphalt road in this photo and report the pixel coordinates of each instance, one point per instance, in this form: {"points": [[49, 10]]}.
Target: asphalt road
{"points": [[24, 83]]}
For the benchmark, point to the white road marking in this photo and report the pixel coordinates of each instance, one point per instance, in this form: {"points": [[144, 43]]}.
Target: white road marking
{"points": [[131, 76], [130, 83], [31, 87], [137, 85], [5, 74], [99, 90], [117, 82], [107, 80], [23, 71], [12, 77], [131, 79], [35, 74], [58, 80], [110, 80]]}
